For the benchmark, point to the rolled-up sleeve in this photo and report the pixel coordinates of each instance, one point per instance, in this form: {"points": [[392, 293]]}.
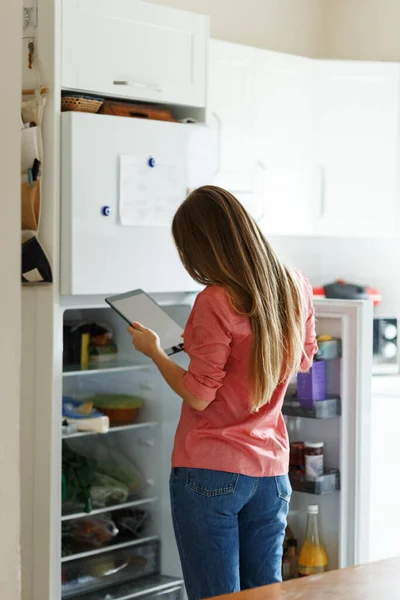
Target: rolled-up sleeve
{"points": [[310, 339], [209, 348]]}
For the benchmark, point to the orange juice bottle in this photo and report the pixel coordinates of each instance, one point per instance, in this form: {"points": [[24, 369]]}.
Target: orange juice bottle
{"points": [[312, 559]]}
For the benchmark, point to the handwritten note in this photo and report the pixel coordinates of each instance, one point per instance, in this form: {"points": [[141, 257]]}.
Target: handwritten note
{"points": [[149, 197]]}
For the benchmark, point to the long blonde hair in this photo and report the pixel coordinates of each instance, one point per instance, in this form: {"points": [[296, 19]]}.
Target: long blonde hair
{"points": [[220, 244]]}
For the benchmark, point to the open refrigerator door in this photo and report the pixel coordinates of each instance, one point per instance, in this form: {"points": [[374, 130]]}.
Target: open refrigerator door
{"points": [[335, 428]]}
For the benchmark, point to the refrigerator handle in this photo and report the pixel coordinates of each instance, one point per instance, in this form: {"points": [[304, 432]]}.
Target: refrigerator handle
{"points": [[322, 200]]}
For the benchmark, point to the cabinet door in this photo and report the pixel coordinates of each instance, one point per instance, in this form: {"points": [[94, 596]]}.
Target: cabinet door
{"points": [[357, 147], [134, 49], [283, 113], [229, 107]]}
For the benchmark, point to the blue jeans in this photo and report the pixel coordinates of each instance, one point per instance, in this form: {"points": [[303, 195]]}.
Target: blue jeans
{"points": [[229, 529]]}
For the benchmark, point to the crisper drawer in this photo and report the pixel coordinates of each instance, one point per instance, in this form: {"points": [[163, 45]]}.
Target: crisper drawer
{"points": [[174, 593], [122, 181], [110, 569], [134, 50], [157, 587]]}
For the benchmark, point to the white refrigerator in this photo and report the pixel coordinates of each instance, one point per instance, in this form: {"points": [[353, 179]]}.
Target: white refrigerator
{"points": [[344, 513]]}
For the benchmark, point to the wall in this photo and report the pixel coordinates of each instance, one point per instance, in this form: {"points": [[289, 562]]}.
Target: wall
{"points": [[364, 261], [351, 29], [284, 25], [41, 360], [361, 29], [10, 314]]}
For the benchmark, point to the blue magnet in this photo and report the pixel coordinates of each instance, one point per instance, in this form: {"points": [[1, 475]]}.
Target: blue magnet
{"points": [[106, 211], [151, 162]]}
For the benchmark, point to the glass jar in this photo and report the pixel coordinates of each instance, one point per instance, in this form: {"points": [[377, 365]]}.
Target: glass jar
{"points": [[289, 561], [297, 456], [314, 460]]}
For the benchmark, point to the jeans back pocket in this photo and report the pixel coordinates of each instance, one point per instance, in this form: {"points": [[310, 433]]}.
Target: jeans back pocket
{"points": [[211, 483], [283, 487]]}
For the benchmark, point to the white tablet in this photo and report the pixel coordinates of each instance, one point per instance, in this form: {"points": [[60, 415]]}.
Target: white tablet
{"points": [[139, 306]]}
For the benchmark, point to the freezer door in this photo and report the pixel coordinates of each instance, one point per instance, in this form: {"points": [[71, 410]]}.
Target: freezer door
{"points": [[122, 181]]}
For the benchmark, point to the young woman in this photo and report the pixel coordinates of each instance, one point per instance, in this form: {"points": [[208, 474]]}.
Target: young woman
{"points": [[250, 329]]}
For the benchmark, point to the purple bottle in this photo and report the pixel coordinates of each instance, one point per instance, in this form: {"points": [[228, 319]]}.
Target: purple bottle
{"points": [[311, 386]]}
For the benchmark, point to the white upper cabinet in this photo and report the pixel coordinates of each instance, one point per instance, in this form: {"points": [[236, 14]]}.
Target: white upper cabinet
{"points": [[261, 105], [229, 111], [134, 49], [357, 135], [283, 115], [309, 147]]}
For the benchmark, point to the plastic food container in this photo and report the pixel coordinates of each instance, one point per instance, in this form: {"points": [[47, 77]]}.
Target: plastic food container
{"points": [[120, 409], [329, 349]]}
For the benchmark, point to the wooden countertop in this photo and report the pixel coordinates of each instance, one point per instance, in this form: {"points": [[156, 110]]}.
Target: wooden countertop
{"points": [[376, 581]]}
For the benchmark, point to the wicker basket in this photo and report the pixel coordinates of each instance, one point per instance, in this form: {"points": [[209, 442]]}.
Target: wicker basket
{"points": [[71, 103]]}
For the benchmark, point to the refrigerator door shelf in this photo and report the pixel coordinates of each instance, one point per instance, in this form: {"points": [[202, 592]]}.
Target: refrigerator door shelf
{"points": [[323, 409], [329, 482]]}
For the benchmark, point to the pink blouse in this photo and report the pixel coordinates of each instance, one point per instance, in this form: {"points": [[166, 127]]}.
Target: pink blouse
{"points": [[226, 436]]}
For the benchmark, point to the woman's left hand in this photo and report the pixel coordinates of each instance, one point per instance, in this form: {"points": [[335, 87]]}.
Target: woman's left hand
{"points": [[145, 340]]}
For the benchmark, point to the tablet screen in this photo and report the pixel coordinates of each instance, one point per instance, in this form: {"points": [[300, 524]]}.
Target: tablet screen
{"points": [[138, 306]]}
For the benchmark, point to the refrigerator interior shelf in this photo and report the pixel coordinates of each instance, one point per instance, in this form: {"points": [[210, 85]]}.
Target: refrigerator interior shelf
{"points": [[118, 429], [323, 409], [110, 548], [155, 584], [106, 509], [112, 366], [328, 482]]}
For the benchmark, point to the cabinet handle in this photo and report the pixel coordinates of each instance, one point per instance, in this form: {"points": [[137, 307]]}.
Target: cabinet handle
{"points": [[323, 193], [260, 165], [139, 84], [257, 165], [219, 124]]}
